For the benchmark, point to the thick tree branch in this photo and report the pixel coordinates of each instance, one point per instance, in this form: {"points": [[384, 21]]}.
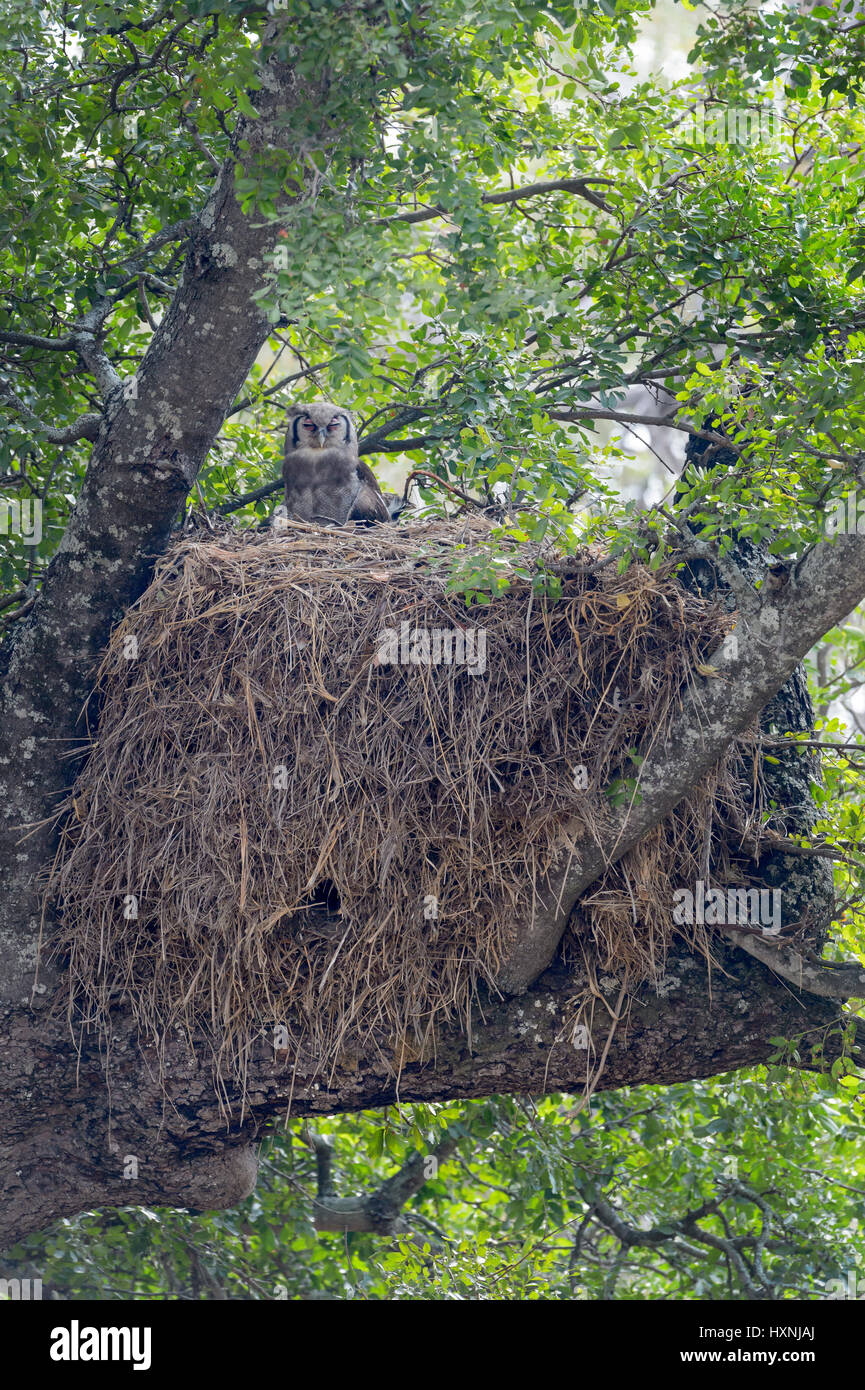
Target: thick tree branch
{"points": [[175, 231], [626, 417], [56, 1154], [826, 587], [37, 340], [397, 446], [85, 339]]}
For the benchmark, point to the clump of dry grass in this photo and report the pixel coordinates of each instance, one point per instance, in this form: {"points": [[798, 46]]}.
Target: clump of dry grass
{"points": [[275, 828]]}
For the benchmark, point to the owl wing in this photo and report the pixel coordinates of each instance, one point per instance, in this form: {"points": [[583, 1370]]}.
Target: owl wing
{"points": [[368, 505]]}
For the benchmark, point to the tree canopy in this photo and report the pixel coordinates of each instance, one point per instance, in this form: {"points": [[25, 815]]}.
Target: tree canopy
{"points": [[700, 238]]}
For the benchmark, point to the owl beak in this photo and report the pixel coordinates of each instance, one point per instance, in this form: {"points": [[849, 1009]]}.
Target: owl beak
{"points": [[322, 436]]}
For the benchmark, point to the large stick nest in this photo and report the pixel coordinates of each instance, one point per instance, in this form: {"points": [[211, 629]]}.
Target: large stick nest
{"points": [[274, 828]]}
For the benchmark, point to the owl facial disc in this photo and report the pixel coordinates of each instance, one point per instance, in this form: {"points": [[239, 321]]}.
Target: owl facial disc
{"points": [[316, 435]]}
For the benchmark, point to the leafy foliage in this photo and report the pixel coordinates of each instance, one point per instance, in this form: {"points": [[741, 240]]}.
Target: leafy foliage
{"points": [[522, 1210]]}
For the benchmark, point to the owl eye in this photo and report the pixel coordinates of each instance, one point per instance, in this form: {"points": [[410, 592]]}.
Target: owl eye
{"points": [[308, 425], [334, 424]]}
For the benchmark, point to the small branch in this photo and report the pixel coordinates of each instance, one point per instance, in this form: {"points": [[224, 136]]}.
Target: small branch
{"points": [[273, 390], [632, 1236], [323, 1165], [35, 340], [257, 496], [175, 231], [380, 1211], [440, 482], [85, 427], [192, 129], [511, 195], [397, 446], [16, 614], [145, 303], [88, 345], [830, 980]]}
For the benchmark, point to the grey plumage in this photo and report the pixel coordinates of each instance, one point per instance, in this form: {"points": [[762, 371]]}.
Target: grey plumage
{"points": [[325, 480]]}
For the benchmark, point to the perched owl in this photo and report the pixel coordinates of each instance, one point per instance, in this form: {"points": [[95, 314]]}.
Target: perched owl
{"points": [[325, 481]]}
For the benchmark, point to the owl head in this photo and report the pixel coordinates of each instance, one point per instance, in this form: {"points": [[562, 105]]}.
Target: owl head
{"points": [[320, 425]]}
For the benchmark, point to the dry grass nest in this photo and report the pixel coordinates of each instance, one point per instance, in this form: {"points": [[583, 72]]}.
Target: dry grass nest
{"points": [[276, 828]]}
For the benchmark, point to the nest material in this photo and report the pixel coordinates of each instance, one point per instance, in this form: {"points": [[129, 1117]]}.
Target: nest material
{"points": [[275, 828]]}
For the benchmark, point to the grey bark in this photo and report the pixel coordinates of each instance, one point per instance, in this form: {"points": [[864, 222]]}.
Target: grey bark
{"points": [[68, 1146]]}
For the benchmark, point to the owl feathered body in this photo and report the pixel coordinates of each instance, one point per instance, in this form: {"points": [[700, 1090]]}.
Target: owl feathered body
{"points": [[325, 480]]}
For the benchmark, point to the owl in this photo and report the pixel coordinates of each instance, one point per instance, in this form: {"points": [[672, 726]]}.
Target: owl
{"points": [[325, 481]]}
